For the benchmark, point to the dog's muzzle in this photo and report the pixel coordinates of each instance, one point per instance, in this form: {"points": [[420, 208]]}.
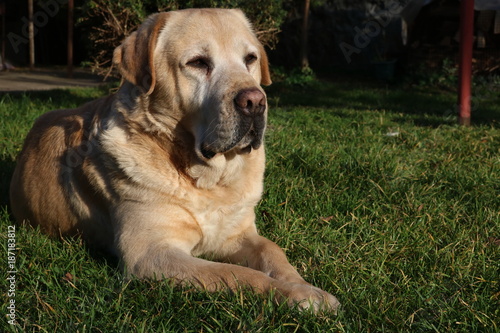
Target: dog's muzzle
{"points": [[250, 106]]}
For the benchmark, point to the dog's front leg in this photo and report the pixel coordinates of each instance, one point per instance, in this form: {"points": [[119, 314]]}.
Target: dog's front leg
{"points": [[164, 250], [261, 254], [160, 260]]}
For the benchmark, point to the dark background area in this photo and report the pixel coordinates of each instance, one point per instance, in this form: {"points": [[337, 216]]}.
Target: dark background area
{"points": [[50, 33], [428, 41]]}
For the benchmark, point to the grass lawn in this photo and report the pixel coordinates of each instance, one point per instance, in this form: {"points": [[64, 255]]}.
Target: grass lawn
{"points": [[373, 192]]}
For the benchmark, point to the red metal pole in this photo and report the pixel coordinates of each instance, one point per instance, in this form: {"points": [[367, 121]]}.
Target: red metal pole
{"points": [[465, 65]]}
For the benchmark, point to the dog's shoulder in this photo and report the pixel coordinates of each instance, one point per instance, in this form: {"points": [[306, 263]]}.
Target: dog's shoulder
{"points": [[61, 129]]}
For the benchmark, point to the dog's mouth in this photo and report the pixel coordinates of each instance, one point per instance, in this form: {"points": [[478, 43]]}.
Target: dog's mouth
{"points": [[209, 154], [252, 139]]}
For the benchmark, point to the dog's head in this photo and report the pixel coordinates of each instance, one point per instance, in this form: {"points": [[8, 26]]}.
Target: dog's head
{"points": [[206, 66]]}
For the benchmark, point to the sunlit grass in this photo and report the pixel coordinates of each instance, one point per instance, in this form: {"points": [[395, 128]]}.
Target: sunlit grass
{"points": [[374, 193]]}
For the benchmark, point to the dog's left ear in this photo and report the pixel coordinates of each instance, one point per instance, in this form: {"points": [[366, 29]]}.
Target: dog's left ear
{"points": [[264, 68], [134, 57]]}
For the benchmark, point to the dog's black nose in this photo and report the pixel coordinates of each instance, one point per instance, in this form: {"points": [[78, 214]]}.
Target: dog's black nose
{"points": [[250, 102]]}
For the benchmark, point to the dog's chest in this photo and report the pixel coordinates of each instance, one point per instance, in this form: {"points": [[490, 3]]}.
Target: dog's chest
{"points": [[223, 219], [217, 227]]}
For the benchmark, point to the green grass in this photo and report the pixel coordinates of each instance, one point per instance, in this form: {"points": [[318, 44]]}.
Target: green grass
{"points": [[403, 228]]}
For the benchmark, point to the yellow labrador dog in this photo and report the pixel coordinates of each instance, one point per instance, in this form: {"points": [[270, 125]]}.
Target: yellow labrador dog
{"points": [[170, 168]]}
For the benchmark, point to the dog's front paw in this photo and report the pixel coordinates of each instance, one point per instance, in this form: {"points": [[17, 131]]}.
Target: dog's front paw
{"points": [[307, 297]]}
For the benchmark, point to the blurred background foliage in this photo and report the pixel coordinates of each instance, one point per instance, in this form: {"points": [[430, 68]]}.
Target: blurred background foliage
{"points": [[109, 22]]}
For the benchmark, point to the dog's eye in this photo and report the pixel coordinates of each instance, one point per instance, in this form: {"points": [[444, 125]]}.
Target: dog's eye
{"points": [[200, 63], [250, 59]]}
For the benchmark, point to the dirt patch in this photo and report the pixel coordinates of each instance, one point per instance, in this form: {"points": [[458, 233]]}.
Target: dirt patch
{"points": [[46, 79]]}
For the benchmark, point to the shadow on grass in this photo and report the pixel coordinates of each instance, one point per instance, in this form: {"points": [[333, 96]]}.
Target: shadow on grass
{"points": [[61, 97], [423, 106]]}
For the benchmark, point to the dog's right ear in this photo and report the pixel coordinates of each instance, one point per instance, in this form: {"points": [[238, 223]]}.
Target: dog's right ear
{"points": [[264, 68], [135, 56]]}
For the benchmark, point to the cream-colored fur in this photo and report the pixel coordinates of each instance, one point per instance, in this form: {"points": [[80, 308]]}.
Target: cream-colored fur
{"points": [[170, 168]]}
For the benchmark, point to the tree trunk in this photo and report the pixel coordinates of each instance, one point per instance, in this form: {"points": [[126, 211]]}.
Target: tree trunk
{"points": [[31, 35], [70, 38], [304, 61], [3, 13]]}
